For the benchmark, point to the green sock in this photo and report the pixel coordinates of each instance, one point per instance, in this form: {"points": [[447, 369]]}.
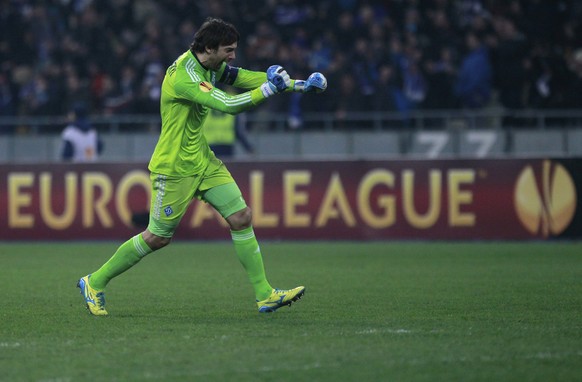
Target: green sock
{"points": [[126, 256], [248, 252]]}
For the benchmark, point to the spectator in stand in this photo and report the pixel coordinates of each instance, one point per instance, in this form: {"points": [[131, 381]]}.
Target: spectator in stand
{"points": [[364, 67], [348, 101], [389, 96], [510, 67], [547, 78], [36, 96], [574, 89], [75, 90], [474, 81], [440, 74], [120, 99], [345, 31], [8, 102], [80, 140], [65, 48], [414, 85], [6, 99]]}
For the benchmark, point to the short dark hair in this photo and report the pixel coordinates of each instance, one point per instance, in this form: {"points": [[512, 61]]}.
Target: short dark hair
{"points": [[212, 34]]}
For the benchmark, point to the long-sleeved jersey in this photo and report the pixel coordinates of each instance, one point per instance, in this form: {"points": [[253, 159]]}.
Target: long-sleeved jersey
{"points": [[187, 93]]}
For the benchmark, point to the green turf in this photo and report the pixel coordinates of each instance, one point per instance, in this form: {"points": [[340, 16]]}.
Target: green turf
{"points": [[372, 312]]}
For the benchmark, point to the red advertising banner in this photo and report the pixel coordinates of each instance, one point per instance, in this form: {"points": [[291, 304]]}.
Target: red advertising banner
{"points": [[345, 200]]}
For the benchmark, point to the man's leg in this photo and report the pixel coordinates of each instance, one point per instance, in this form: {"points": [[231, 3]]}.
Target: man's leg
{"points": [[92, 286], [126, 256], [228, 200], [169, 195], [248, 252]]}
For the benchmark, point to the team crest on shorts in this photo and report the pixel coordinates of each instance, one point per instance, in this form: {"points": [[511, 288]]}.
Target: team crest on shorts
{"points": [[168, 210]]}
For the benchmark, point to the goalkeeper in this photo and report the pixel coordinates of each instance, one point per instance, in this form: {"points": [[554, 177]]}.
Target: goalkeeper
{"points": [[183, 167]]}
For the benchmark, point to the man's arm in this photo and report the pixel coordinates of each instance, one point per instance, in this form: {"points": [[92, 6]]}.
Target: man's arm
{"points": [[248, 79], [202, 92], [241, 78], [277, 80], [205, 94]]}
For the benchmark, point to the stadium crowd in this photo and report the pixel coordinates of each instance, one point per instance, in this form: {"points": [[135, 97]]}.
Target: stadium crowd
{"points": [[395, 55]]}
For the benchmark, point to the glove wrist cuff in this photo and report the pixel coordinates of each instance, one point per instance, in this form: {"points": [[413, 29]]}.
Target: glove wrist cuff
{"points": [[299, 86], [267, 90]]}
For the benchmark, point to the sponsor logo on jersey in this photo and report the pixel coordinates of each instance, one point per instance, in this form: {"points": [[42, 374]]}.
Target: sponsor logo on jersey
{"points": [[205, 86]]}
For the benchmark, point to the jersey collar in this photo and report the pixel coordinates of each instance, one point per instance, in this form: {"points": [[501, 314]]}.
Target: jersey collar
{"points": [[196, 58]]}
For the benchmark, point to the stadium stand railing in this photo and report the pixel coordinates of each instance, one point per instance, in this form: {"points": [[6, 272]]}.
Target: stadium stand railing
{"points": [[422, 134]]}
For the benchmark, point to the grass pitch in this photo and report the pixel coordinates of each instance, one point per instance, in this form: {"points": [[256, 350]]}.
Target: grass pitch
{"points": [[372, 312]]}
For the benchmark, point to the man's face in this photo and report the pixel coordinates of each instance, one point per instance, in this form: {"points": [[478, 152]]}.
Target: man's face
{"points": [[224, 53]]}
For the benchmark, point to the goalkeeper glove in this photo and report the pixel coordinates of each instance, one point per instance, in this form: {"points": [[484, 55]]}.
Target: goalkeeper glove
{"points": [[316, 82], [277, 81]]}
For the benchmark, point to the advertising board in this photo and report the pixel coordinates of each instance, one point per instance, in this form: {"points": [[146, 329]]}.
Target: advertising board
{"points": [[493, 199]]}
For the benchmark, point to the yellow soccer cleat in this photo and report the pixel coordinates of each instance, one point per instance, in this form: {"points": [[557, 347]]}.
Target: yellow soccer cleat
{"points": [[279, 298], [94, 299]]}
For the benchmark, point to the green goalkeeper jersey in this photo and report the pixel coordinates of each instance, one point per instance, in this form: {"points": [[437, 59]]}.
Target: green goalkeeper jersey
{"points": [[187, 93]]}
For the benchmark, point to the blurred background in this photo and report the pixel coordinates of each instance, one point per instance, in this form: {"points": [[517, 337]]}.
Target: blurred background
{"points": [[407, 78]]}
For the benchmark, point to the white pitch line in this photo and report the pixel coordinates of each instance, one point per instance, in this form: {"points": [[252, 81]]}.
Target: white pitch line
{"points": [[383, 330], [9, 344]]}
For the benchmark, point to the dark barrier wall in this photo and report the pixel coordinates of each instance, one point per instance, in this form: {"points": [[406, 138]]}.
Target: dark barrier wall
{"points": [[347, 200]]}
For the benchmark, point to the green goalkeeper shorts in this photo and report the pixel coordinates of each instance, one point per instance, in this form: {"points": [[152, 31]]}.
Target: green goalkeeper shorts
{"points": [[171, 196]]}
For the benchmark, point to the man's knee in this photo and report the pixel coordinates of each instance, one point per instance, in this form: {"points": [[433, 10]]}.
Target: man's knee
{"points": [[155, 242], [241, 219]]}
